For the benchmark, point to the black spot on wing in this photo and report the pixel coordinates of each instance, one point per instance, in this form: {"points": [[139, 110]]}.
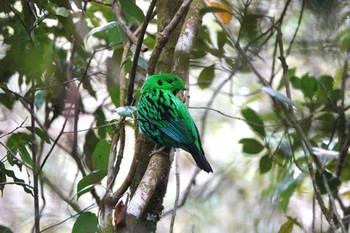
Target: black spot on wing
{"points": [[160, 83]]}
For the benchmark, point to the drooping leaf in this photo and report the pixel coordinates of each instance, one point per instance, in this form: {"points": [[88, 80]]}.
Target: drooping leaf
{"points": [[101, 28], [87, 183], [87, 222], [100, 121], [286, 188], [287, 227], [40, 133], [265, 164], [308, 86], [17, 143], [11, 174], [254, 121], [132, 11], [251, 146], [4, 229], [206, 76], [100, 155], [6, 100]]}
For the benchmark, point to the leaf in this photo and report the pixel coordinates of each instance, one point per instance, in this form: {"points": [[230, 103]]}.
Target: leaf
{"points": [[4, 229], [287, 227], [25, 155], [251, 146], [125, 111], [87, 222], [333, 181], [62, 11], [100, 155], [39, 99], [308, 86], [222, 11], [275, 94], [132, 11], [286, 189], [40, 133], [6, 100], [206, 76], [17, 143], [265, 164], [221, 39], [254, 121], [20, 182], [87, 183], [101, 28]]}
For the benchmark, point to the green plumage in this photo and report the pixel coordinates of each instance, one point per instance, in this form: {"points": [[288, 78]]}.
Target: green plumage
{"points": [[165, 120]]}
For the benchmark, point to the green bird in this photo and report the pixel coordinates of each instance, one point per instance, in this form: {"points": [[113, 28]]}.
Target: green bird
{"points": [[165, 120]]}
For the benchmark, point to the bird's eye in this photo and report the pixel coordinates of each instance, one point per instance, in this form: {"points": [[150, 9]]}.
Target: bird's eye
{"points": [[169, 80]]}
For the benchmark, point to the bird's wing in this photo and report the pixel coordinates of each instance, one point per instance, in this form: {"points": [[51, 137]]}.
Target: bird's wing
{"points": [[177, 129], [179, 126]]}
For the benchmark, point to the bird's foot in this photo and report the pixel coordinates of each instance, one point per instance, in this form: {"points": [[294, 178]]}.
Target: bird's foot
{"points": [[161, 150]]}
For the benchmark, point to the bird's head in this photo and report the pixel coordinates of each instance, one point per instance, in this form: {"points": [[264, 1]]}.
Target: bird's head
{"points": [[169, 82]]}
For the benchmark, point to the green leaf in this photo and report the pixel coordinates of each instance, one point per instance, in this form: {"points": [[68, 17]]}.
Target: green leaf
{"points": [[6, 100], [287, 227], [132, 11], [17, 143], [286, 189], [4, 229], [87, 183], [25, 155], [206, 76], [208, 9], [40, 133], [265, 164], [87, 222], [221, 39], [308, 86], [254, 121], [333, 181], [11, 174], [101, 28], [100, 121], [100, 155], [251, 146], [62, 11], [2, 180]]}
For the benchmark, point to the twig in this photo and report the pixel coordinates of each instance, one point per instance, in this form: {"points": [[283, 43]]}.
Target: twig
{"points": [[118, 13], [15, 129], [163, 36], [186, 192], [137, 53], [177, 194], [65, 220], [68, 113]]}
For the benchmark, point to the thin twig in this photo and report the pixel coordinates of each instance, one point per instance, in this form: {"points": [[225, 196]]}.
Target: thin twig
{"points": [[118, 13], [137, 53], [68, 113], [177, 194]]}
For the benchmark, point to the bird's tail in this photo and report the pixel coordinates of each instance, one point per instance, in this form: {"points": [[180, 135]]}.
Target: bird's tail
{"points": [[199, 158]]}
